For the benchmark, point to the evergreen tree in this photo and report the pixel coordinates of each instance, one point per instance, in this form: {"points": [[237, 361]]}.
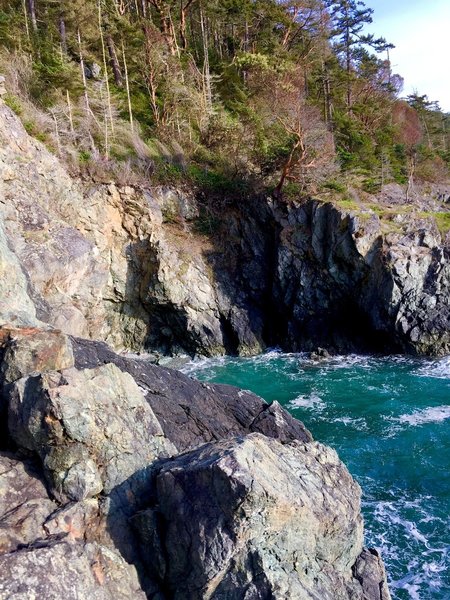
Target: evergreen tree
{"points": [[348, 18]]}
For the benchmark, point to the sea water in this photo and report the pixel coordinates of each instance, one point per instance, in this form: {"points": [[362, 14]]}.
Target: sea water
{"points": [[389, 420]]}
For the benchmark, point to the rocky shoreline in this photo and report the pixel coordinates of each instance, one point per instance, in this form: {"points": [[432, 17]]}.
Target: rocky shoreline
{"points": [[122, 479], [123, 264]]}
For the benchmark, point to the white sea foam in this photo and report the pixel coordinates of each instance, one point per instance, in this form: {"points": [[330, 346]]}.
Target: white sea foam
{"points": [[433, 414], [357, 423], [205, 366], [346, 361], [426, 573], [312, 401], [439, 368]]}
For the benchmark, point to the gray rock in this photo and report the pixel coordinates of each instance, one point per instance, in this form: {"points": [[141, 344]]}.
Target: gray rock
{"points": [[369, 571], [16, 306], [31, 351], [92, 429], [190, 412], [24, 503], [73, 571], [253, 518]]}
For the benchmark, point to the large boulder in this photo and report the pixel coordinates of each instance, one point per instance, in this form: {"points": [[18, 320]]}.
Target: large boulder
{"points": [[92, 429], [190, 412], [254, 518], [102, 501]]}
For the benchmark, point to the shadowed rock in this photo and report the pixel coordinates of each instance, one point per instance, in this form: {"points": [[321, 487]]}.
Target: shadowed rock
{"points": [[24, 503], [369, 571]]}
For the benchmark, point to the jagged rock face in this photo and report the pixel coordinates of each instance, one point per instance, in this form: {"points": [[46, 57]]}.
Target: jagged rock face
{"points": [[190, 412], [121, 264], [342, 282], [93, 506], [105, 261], [92, 429], [253, 518]]}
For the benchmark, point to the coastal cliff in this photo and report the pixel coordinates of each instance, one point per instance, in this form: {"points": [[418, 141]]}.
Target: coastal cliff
{"points": [[123, 479], [127, 265]]}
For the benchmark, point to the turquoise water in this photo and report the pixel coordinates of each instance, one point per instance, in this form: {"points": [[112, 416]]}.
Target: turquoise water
{"points": [[389, 420]]}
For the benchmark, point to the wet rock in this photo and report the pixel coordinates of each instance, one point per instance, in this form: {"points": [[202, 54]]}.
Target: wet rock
{"points": [[251, 517], [319, 354], [24, 503], [92, 428], [74, 571]]}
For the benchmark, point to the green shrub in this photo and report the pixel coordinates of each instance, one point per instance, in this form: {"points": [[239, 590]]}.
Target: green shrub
{"points": [[14, 103], [371, 186], [335, 186], [84, 156]]}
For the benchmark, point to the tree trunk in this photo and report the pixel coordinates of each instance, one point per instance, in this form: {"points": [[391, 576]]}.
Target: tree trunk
{"points": [[105, 66], [183, 25], [89, 113], [166, 25], [25, 14], [206, 69], [412, 169], [348, 59], [32, 11], [127, 86], [114, 61], [62, 34]]}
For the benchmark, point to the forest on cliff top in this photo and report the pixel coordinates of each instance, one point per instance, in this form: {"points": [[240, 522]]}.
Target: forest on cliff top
{"points": [[293, 96]]}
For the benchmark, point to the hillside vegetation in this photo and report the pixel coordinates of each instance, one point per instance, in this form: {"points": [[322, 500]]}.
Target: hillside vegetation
{"points": [[292, 96]]}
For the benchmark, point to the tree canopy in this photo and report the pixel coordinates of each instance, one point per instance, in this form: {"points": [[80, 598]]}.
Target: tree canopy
{"points": [[283, 94]]}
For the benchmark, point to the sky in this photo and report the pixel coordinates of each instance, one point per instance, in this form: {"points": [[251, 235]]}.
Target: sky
{"points": [[420, 31]]}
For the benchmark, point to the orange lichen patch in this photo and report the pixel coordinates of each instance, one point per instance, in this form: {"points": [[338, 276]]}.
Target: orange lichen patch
{"points": [[8, 333], [33, 350], [73, 533]]}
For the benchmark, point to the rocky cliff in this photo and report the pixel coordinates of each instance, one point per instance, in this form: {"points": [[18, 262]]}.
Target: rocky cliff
{"points": [[124, 265], [123, 479], [120, 479]]}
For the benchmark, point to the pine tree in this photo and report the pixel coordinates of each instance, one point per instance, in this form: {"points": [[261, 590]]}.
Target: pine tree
{"points": [[348, 18]]}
